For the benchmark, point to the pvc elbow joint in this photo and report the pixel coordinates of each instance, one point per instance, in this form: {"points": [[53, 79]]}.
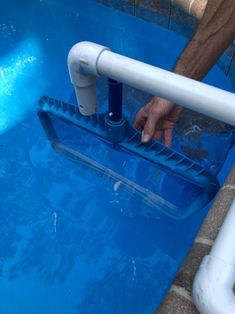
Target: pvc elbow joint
{"points": [[82, 64]]}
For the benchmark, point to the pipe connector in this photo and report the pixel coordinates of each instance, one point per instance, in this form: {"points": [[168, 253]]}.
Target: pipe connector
{"points": [[82, 64]]}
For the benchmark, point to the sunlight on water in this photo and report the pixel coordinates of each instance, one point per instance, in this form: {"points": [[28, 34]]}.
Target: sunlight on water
{"points": [[20, 84]]}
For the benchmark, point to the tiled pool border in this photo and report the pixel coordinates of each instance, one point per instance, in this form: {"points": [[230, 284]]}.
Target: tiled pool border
{"points": [[179, 299], [169, 16]]}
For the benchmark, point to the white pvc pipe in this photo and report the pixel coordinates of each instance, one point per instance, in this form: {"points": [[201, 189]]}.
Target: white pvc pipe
{"points": [[197, 96], [82, 65], [215, 279]]}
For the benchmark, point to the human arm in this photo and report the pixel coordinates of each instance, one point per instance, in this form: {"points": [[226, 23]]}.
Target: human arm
{"points": [[215, 32]]}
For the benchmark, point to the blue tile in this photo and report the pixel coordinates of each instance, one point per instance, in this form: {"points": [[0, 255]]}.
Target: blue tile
{"points": [[226, 60], [124, 5], [153, 11], [156, 17], [182, 23], [230, 52], [224, 63], [231, 73]]}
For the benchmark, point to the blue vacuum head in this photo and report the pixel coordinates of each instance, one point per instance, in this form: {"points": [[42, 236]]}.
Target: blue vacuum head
{"points": [[124, 137]]}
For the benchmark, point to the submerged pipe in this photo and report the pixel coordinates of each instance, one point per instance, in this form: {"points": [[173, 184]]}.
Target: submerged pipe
{"points": [[115, 101], [88, 60], [214, 282]]}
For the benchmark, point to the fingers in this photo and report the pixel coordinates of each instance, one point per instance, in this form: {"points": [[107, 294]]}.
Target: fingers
{"points": [[158, 135], [140, 119], [149, 128], [168, 137], [157, 116], [140, 123]]}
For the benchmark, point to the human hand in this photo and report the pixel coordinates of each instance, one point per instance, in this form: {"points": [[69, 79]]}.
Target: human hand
{"points": [[158, 118]]}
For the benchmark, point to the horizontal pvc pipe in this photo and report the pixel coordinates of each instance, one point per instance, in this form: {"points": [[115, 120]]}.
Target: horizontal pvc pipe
{"points": [[87, 60], [197, 96], [214, 281]]}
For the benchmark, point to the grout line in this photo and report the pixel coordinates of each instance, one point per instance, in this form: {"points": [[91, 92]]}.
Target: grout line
{"points": [[182, 292], [203, 240]]}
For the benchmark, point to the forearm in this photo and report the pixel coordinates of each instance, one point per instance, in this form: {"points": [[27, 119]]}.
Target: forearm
{"points": [[214, 34]]}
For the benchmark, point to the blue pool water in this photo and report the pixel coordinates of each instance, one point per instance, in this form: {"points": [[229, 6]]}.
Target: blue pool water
{"points": [[86, 234]]}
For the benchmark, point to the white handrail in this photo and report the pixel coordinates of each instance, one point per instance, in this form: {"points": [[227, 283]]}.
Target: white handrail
{"points": [[88, 60]]}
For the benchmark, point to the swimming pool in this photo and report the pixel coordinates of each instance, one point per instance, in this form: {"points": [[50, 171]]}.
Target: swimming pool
{"points": [[74, 239]]}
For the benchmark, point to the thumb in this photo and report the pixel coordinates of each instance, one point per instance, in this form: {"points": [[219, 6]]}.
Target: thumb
{"points": [[149, 128]]}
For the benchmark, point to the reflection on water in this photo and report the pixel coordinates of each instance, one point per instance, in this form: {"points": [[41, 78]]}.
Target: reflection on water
{"points": [[66, 230], [20, 83]]}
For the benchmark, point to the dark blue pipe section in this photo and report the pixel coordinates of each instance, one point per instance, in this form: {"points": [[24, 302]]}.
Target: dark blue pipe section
{"points": [[115, 101]]}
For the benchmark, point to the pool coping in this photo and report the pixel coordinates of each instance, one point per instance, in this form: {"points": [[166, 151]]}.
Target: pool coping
{"points": [[179, 298]]}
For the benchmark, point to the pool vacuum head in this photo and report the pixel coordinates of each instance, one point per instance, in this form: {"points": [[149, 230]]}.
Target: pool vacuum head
{"points": [[123, 136]]}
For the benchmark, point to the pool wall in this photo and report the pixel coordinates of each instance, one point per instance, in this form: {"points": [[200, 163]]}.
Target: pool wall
{"points": [[171, 17]]}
